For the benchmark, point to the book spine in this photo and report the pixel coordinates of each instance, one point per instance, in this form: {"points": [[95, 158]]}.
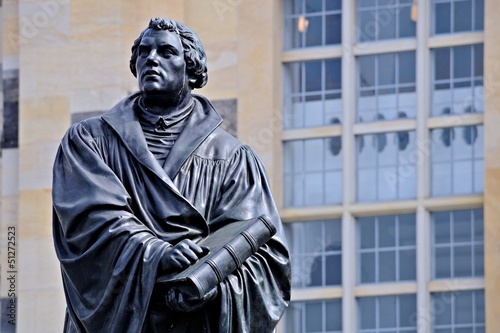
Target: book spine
{"points": [[232, 255]]}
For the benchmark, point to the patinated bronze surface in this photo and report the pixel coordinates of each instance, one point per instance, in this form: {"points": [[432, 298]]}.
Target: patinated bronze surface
{"points": [[136, 188]]}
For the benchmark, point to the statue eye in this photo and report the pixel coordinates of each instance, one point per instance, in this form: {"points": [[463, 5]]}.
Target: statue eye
{"points": [[166, 51], [143, 51]]}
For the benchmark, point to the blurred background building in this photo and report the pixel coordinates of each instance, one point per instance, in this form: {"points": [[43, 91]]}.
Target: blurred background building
{"points": [[376, 119]]}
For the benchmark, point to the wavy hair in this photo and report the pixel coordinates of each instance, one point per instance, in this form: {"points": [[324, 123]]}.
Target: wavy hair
{"points": [[194, 53]]}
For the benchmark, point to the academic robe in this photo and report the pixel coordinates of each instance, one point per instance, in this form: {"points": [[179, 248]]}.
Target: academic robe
{"points": [[116, 211]]}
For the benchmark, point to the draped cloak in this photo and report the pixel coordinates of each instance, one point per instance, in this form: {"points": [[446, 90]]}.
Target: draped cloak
{"points": [[117, 210]]}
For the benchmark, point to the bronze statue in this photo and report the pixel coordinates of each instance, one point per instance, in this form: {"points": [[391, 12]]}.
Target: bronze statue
{"points": [[136, 188]]}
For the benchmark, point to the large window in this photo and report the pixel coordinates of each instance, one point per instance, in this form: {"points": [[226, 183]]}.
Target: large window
{"points": [[387, 314], [457, 162], [386, 87], [457, 244], [385, 166], [313, 172], [457, 82], [316, 252], [312, 23], [314, 317], [458, 312], [386, 248], [312, 93], [450, 16], [385, 19]]}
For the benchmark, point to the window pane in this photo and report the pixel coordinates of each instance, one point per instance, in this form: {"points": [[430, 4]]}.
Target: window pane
{"points": [[407, 267], [442, 263], [368, 268], [388, 310], [333, 29], [457, 80], [313, 317], [334, 316], [367, 313], [387, 266], [442, 18], [456, 250], [462, 13]]}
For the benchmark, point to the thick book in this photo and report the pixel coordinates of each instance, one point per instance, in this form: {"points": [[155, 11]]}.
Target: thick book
{"points": [[229, 247]]}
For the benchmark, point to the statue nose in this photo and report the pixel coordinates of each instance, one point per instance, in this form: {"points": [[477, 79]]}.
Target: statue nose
{"points": [[153, 57]]}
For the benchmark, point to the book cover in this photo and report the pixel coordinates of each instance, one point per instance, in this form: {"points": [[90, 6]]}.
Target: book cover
{"points": [[229, 247]]}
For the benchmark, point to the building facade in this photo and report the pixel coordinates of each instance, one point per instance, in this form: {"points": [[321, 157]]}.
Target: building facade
{"points": [[376, 120]]}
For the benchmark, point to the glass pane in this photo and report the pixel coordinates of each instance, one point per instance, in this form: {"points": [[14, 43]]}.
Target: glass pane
{"points": [[313, 317], [407, 27], [442, 263], [478, 59], [479, 260], [314, 6], [367, 26], [464, 307], [367, 310], [368, 268], [462, 261], [441, 304], [388, 310], [387, 231], [406, 229], [407, 311], [387, 266], [442, 18], [366, 185], [407, 265], [478, 224], [333, 268], [333, 28], [462, 62], [479, 15], [313, 235], [314, 31], [334, 316], [313, 75], [442, 64], [367, 232], [315, 274], [407, 67], [442, 231], [462, 13], [333, 74], [462, 226], [386, 24], [387, 69], [479, 306], [366, 71]]}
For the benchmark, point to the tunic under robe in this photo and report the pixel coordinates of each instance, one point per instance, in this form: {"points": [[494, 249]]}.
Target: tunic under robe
{"points": [[116, 212]]}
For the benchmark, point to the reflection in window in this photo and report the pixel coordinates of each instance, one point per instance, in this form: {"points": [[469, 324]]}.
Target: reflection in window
{"points": [[451, 16], [316, 252], [387, 314], [459, 311], [312, 23], [382, 19], [312, 172], [314, 316], [457, 244], [386, 248], [457, 161], [386, 87], [312, 93], [457, 82], [386, 166]]}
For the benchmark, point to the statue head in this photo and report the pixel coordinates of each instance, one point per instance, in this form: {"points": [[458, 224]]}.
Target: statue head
{"points": [[194, 53]]}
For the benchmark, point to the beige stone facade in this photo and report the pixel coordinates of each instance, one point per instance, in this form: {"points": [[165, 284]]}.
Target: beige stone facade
{"points": [[65, 59]]}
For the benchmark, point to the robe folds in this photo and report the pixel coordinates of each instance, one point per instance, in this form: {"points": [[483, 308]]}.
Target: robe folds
{"points": [[117, 210]]}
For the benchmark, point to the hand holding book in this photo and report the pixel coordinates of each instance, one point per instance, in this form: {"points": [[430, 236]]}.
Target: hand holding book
{"points": [[229, 247]]}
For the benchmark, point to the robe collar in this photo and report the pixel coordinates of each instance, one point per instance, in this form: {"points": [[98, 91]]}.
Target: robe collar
{"points": [[203, 120]]}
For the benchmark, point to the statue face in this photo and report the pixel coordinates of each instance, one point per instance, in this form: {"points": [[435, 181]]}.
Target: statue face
{"points": [[161, 68]]}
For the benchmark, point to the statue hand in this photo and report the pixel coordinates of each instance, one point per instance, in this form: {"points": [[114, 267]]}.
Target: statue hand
{"points": [[182, 255], [177, 302]]}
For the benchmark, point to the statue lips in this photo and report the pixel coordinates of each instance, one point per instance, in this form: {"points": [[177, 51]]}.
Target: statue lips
{"points": [[151, 74]]}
